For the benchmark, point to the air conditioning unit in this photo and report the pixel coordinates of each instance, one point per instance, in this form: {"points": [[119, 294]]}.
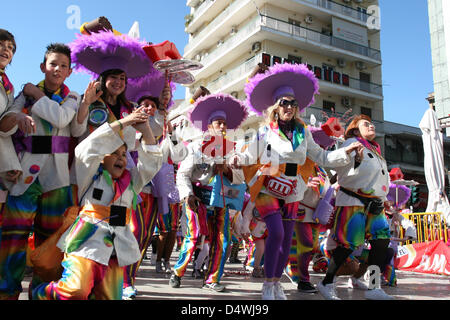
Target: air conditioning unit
{"points": [[309, 19], [220, 42], [233, 30], [341, 63], [234, 94], [256, 46], [360, 65], [346, 102], [198, 57]]}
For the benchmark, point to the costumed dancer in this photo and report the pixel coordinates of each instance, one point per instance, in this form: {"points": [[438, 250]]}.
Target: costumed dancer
{"points": [[10, 168], [100, 242], [46, 117], [363, 186], [213, 114], [113, 60], [274, 157], [305, 240], [155, 94]]}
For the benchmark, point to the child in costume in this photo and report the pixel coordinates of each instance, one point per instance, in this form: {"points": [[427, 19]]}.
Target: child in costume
{"points": [[46, 117], [213, 114], [115, 61], [10, 168], [274, 156], [100, 242], [363, 186]]}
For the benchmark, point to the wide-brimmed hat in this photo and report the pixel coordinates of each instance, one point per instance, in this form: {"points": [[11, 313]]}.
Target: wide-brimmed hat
{"points": [[102, 51], [295, 80], [215, 106], [151, 86], [403, 193]]}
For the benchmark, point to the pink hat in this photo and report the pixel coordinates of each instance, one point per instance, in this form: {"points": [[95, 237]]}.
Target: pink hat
{"points": [[295, 80], [213, 106]]}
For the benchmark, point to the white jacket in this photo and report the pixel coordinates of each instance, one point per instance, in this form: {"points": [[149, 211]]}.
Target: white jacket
{"points": [[281, 151], [88, 156], [371, 176], [8, 157], [53, 170]]}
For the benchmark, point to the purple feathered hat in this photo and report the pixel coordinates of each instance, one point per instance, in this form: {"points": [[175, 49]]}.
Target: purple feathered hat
{"points": [[214, 106], [296, 80], [151, 86], [93, 54], [403, 194]]}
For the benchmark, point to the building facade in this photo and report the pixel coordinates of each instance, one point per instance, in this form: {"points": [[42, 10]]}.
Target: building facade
{"points": [[338, 40]]}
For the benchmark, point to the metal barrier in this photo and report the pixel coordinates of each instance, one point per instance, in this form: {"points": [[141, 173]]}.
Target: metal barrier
{"points": [[430, 226]]}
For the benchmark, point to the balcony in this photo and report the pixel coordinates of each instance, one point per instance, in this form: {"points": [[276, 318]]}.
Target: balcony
{"points": [[264, 27], [331, 7], [205, 12], [321, 41]]}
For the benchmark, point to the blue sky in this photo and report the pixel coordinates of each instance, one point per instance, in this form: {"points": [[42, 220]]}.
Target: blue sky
{"points": [[405, 42]]}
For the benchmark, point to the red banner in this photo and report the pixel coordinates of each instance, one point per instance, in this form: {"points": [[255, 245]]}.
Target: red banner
{"points": [[426, 257]]}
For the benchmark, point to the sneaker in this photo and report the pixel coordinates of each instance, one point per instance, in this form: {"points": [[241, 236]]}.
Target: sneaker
{"points": [[377, 294], [278, 291], [197, 274], [129, 293], [152, 259], [175, 281], [167, 267], [159, 267], [355, 283], [214, 286], [268, 291], [306, 287], [327, 291]]}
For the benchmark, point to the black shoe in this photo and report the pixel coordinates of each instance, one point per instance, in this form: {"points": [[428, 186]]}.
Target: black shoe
{"points": [[197, 274], [175, 281], [306, 287], [234, 260]]}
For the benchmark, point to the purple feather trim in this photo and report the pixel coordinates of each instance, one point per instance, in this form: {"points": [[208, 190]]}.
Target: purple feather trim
{"points": [[108, 42], [403, 194], [241, 111], [300, 69]]}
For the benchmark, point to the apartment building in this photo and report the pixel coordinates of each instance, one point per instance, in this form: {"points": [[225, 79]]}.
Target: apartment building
{"points": [[338, 40]]}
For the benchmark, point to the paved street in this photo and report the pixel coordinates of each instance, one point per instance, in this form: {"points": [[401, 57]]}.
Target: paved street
{"points": [[241, 286]]}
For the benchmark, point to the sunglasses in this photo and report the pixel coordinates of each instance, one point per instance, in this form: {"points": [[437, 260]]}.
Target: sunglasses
{"points": [[367, 124], [285, 103]]}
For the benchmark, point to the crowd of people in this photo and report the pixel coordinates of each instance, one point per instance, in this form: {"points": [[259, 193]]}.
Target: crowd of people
{"points": [[94, 183]]}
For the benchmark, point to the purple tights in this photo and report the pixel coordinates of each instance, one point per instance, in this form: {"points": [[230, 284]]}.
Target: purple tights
{"points": [[278, 244]]}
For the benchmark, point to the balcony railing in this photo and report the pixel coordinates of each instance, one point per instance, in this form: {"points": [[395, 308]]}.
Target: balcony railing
{"points": [[213, 24], [321, 38], [340, 8], [234, 74], [201, 9]]}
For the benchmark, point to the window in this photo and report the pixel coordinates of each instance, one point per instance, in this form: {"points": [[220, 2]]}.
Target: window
{"points": [[329, 106], [366, 111], [294, 59]]}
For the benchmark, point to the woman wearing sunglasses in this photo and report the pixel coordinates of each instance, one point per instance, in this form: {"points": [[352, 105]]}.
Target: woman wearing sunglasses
{"points": [[363, 187], [272, 159]]}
